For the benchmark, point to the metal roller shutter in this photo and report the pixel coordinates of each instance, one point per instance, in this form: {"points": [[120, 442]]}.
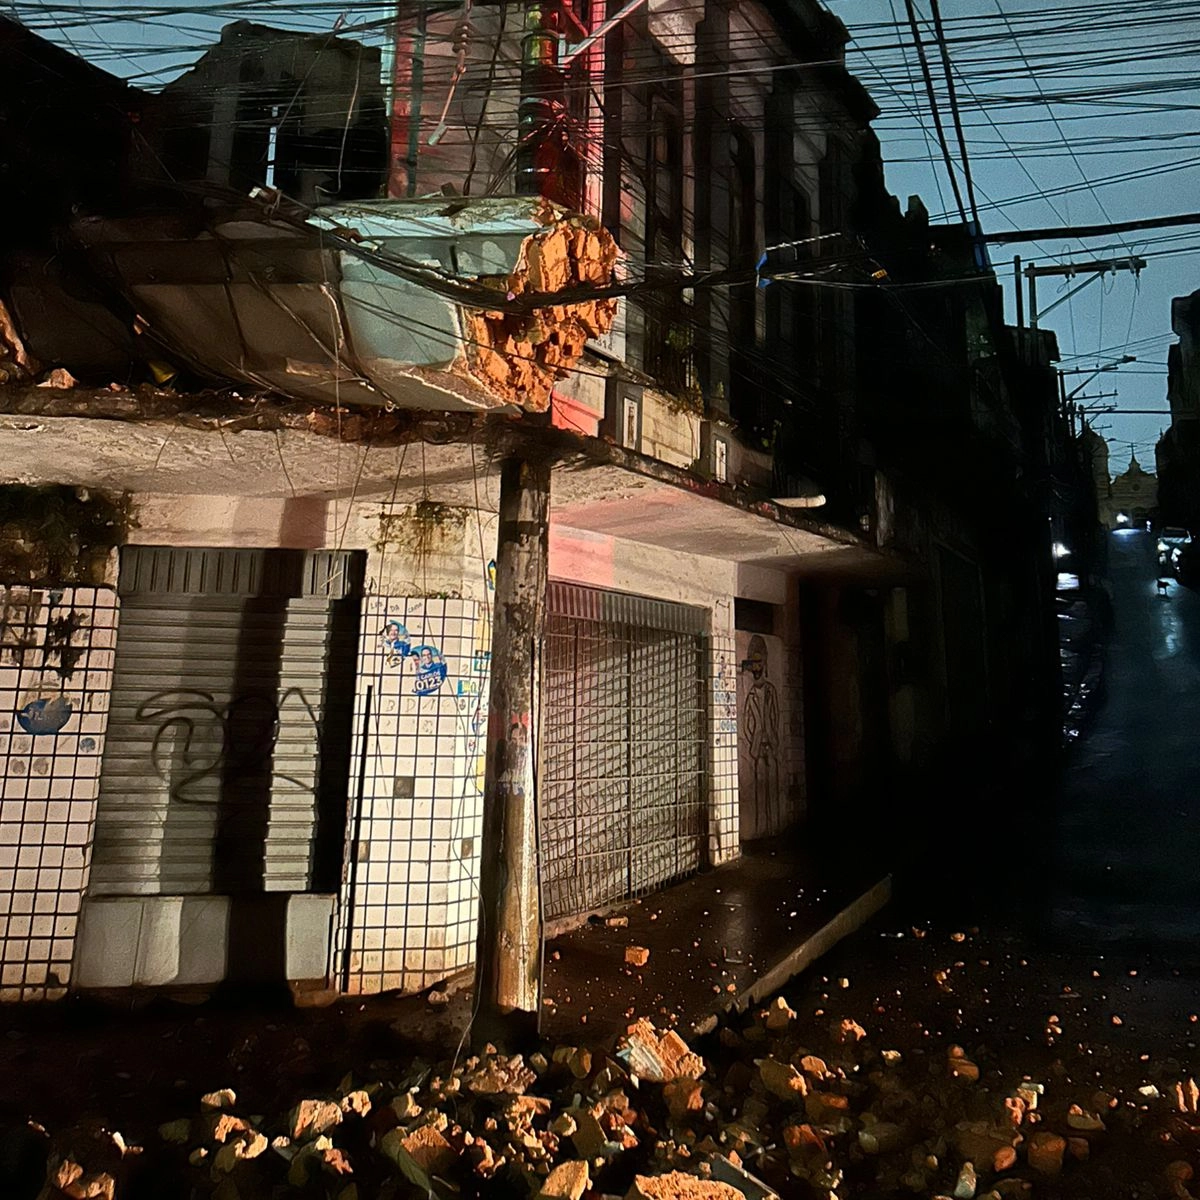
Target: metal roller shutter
{"points": [[227, 727], [622, 785]]}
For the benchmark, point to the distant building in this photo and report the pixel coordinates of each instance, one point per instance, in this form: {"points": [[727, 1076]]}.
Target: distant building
{"points": [[1178, 450], [1132, 498]]}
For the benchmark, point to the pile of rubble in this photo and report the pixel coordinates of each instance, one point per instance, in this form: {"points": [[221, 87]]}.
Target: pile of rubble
{"points": [[771, 1106]]}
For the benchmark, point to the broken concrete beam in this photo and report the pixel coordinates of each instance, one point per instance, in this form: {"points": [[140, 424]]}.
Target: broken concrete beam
{"points": [[658, 1057], [568, 1181], [676, 1185], [311, 1118], [519, 356]]}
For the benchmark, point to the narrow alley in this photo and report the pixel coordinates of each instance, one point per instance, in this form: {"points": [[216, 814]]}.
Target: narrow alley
{"points": [[1128, 838]]}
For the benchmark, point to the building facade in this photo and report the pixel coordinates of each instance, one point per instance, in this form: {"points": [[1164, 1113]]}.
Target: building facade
{"points": [[248, 742], [1177, 454]]}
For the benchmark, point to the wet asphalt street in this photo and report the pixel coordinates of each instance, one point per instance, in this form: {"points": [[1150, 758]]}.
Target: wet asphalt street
{"points": [[1125, 862]]}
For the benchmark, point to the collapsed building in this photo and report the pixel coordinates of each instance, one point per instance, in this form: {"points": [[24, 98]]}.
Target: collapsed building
{"points": [[248, 728]]}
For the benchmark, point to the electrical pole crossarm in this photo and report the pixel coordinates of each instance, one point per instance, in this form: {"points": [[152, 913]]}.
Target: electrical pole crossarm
{"points": [[1100, 266], [1095, 269]]}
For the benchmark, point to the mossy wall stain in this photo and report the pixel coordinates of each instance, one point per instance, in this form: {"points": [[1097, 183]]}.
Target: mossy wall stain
{"points": [[56, 535]]}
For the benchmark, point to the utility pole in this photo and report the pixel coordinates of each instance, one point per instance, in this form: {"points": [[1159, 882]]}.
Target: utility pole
{"points": [[508, 952], [1092, 270], [508, 956]]}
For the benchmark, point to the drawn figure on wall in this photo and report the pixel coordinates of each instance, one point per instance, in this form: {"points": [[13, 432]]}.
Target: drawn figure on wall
{"points": [[431, 670], [760, 729], [396, 643]]}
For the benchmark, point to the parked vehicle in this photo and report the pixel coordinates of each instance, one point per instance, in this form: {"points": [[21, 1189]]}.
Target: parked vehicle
{"points": [[1171, 540], [1185, 564]]}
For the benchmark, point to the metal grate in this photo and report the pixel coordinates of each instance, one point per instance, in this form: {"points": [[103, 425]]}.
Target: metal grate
{"points": [[623, 725], [227, 756], [186, 571]]}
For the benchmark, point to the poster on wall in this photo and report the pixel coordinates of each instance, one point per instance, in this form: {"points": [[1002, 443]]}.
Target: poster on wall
{"points": [[395, 642], [431, 669], [45, 714]]}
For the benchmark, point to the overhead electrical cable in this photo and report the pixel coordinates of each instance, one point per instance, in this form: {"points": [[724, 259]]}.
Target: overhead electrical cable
{"points": [[956, 117], [934, 111]]}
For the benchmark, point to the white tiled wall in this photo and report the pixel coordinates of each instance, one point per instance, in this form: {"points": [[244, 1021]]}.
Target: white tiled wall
{"points": [[724, 841], [56, 655], [408, 918]]}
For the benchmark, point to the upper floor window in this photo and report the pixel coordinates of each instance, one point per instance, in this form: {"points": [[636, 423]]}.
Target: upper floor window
{"points": [[664, 183]]}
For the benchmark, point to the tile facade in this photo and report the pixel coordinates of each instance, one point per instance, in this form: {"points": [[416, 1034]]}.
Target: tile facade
{"points": [[56, 662], [724, 834], [409, 906], [408, 911]]}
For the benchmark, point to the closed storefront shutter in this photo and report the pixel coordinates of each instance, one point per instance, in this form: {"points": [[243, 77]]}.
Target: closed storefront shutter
{"points": [[226, 763], [623, 786]]}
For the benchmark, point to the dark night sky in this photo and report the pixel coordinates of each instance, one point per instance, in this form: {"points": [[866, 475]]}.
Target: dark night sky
{"points": [[1121, 85]]}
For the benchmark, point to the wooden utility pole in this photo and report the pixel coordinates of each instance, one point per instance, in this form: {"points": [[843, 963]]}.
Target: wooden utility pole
{"points": [[508, 956]]}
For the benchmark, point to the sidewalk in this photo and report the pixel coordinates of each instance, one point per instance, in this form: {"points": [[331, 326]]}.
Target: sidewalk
{"points": [[725, 938]]}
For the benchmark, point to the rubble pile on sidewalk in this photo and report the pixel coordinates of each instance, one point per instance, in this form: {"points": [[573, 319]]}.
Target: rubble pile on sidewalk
{"points": [[769, 1105]]}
